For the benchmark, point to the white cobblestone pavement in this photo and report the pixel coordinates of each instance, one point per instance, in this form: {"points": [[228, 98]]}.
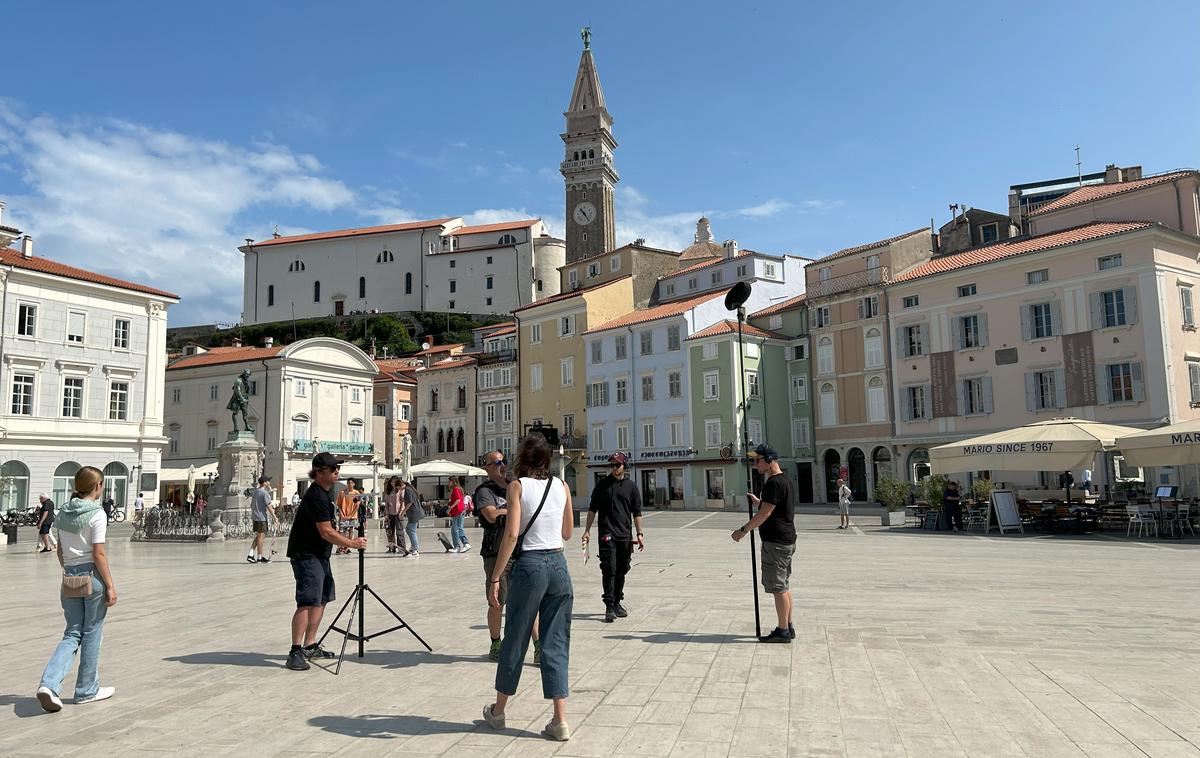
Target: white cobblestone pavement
{"points": [[909, 643]]}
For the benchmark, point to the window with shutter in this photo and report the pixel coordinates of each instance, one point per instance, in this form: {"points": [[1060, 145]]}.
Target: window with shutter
{"points": [[1194, 381]]}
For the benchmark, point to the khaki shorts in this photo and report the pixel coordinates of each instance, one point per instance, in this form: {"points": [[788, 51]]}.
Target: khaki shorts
{"points": [[260, 527], [489, 565], [776, 566]]}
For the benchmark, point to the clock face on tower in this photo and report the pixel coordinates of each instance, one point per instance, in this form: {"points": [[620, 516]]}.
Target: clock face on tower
{"points": [[585, 213]]}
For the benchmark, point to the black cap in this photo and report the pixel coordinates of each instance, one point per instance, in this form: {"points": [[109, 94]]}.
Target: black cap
{"points": [[325, 460], [264, 479], [766, 452]]}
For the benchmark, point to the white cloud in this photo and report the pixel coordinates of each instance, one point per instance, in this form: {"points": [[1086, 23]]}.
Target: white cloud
{"points": [[156, 207], [822, 206], [763, 210]]}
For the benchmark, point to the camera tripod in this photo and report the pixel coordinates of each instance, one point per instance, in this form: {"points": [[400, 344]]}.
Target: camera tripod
{"points": [[356, 604]]}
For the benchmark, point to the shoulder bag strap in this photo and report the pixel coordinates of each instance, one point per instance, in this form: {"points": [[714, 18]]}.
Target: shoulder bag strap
{"points": [[521, 539]]}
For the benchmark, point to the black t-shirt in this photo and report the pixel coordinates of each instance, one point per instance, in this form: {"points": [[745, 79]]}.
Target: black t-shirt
{"points": [[48, 509], [305, 541], [489, 494], [779, 527], [618, 502]]}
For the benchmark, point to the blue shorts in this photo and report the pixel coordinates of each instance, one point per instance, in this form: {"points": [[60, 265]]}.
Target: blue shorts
{"points": [[314, 581]]}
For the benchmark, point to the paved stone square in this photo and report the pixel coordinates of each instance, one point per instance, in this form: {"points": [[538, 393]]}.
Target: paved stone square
{"points": [[908, 643]]}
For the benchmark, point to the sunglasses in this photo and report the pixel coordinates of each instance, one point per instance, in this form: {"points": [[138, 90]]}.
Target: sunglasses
{"points": [[500, 462]]}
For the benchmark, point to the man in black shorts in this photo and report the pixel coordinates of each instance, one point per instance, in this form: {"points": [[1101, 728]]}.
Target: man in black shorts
{"points": [[309, 545], [774, 522], [619, 504]]}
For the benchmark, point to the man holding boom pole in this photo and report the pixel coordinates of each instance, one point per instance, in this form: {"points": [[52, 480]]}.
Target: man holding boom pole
{"points": [[774, 521]]}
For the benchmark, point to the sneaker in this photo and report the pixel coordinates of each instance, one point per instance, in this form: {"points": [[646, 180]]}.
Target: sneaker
{"points": [[264, 559], [559, 732], [494, 721], [494, 651], [413, 554], [791, 632], [316, 651], [104, 693], [251, 559], [620, 611], [610, 615], [296, 660], [537, 652], [776, 635], [466, 548], [50, 702]]}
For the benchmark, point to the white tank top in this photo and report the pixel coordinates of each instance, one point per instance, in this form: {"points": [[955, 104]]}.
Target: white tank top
{"points": [[546, 532]]}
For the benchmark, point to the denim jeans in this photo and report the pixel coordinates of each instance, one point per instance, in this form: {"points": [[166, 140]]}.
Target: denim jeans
{"points": [[457, 535], [538, 582], [410, 528], [85, 630]]}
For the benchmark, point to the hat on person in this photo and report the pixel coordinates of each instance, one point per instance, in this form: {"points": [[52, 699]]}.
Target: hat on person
{"points": [[619, 458], [264, 479], [766, 452], [325, 460]]}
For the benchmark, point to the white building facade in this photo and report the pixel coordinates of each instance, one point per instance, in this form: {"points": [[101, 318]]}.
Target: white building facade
{"points": [[81, 365], [436, 265]]}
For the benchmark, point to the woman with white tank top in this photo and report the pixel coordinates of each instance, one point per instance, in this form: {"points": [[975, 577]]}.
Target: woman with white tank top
{"points": [[539, 585]]}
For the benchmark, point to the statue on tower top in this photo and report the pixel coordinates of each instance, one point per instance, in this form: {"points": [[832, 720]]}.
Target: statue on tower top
{"points": [[586, 34]]}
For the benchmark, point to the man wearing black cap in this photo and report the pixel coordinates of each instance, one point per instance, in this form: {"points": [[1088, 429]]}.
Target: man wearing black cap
{"points": [[313, 534], [260, 507], [619, 504], [774, 522]]}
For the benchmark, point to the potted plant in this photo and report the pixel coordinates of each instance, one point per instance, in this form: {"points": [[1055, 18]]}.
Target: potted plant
{"points": [[934, 487], [893, 495], [981, 489]]}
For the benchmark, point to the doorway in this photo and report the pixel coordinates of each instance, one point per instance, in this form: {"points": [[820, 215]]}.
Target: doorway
{"points": [[649, 484], [833, 472], [339, 307], [858, 474], [804, 483], [881, 464]]}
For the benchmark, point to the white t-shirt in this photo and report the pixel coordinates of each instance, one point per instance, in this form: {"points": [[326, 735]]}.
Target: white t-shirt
{"points": [[77, 548], [139, 504], [546, 532], [844, 494]]}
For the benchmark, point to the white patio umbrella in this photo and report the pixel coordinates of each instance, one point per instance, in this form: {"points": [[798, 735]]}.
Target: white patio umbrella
{"points": [[1061, 444], [191, 484], [444, 468], [1174, 445], [406, 457]]}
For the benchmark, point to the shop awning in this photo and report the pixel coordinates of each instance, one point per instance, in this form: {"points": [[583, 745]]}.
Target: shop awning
{"points": [[181, 474]]}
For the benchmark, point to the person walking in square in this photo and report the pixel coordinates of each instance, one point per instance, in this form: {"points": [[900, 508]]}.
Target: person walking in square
{"points": [[82, 528], [260, 509], [775, 523], [45, 522], [347, 501], [309, 545], [844, 497], [458, 512], [393, 502], [618, 504], [537, 526], [952, 504], [414, 511]]}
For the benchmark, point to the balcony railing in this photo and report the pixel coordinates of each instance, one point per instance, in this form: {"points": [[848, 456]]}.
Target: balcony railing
{"points": [[573, 441], [871, 277], [496, 356]]}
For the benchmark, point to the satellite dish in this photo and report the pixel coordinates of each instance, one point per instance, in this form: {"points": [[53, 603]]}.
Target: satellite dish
{"points": [[425, 345], [737, 295]]}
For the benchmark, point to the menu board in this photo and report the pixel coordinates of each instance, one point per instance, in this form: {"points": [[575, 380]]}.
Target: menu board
{"points": [[1003, 513]]}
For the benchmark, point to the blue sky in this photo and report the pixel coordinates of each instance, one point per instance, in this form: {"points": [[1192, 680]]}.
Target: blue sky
{"points": [[147, 139]]}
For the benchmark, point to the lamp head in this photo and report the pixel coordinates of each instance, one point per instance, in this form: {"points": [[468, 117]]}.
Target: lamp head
{"points": [[737, 295]]}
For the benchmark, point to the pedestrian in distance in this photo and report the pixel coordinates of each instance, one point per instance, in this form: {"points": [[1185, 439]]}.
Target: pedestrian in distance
{"points": [[45, 522], [108, 507], [414, 511], [618, 505], [952, 505], [844, 498], [458, 513], [82, 527], [393, 505], [309, 545], [139, 509], [347, 500], [537, 526], [490, 500], [260, 509], [775, 521]]}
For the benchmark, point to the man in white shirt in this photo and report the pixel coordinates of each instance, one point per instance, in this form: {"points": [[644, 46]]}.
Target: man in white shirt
{"points": [[844, 497], [139, 507], [1086, 481]]}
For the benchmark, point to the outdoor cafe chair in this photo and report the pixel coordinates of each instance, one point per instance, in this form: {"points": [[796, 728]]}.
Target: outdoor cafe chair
{"points": [[1142, 518]]}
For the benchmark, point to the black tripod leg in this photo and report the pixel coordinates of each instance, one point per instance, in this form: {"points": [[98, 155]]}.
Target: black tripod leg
{"points": [[333, 624], [349, 623], [404, 623]]}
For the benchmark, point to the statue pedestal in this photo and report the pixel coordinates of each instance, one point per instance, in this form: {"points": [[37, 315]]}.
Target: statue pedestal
{"points": [[239, 461]]}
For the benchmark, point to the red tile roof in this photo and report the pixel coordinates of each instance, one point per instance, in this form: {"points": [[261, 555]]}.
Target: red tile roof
{"points": [[706, 263], [1011, 248], [455, 362], [665, 310], [571, 294], [218, 355], [787, 305], [1088, 193], [499, 227], [630, 246], [869, 246], [730, 327], [441, 349], [10, 257], [361, 232]]}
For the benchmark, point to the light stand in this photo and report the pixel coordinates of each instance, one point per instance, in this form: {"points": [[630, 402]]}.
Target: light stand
{"points": [[356, 605], [735, 300]]}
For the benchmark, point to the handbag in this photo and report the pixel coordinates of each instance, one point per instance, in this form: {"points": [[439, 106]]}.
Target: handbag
{"points": [[516, 553], [77, 585]]}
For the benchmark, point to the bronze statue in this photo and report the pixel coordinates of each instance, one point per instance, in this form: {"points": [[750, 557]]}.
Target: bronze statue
{"points": [[240, 401], [586, 34]]}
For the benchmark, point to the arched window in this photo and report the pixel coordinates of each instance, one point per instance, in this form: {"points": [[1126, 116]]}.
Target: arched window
{"points": [[462, 440], [14, 486], [316, 292], [356, 430], [362, 287], [64, 481], [539, 285], [408, 283], [591, 153], [576, 156], [462, 398], [300, 427], [385, 257], [424, 436], [828, 405], [876, 401], [116, 482], [441, 441], [507, 239], [873, 348], [270, 295], [825, 356], [296, 266]]}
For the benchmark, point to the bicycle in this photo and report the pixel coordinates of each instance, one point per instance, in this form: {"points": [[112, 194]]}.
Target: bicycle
{"points": [[118, 515]]}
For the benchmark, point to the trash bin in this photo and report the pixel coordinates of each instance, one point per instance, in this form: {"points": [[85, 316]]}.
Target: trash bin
{"points": [[10, 531]]}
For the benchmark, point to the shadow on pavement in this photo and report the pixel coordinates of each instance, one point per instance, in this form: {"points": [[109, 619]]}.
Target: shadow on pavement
{"points": [[24, 707], [661, 638], [231, 658], [389, 727], [403, 659]]}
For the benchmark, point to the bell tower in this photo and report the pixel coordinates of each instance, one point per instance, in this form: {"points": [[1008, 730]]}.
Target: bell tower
{"points": [[587, 168]]}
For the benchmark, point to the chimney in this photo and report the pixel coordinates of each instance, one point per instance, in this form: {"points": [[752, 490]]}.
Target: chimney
{"points": [[731, 248], [237, 342], [1132, 173], [268, 342], [27, 247], [1112, 174]]}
